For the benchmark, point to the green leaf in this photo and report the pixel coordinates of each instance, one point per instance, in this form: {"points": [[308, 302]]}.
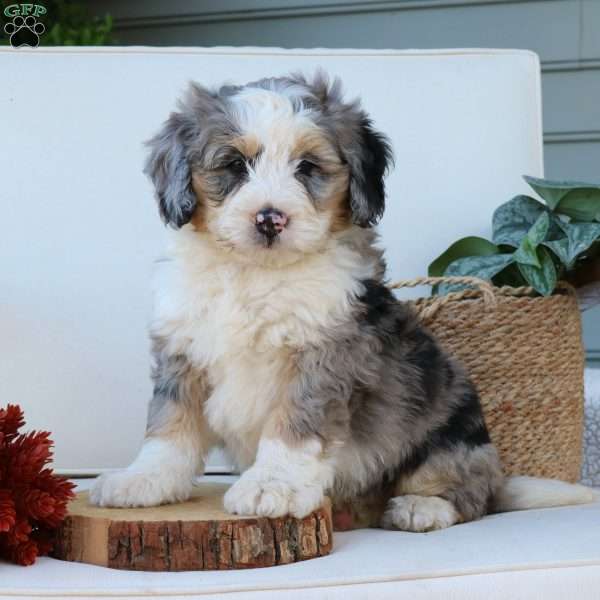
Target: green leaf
{"points": [[543, 278], [469, 246], [576, 199], [561, 249], [86, 35], [581, 204], [513, 219], [580, 236], [526, 253], [551, 191], [538, 231], [484, 267]]}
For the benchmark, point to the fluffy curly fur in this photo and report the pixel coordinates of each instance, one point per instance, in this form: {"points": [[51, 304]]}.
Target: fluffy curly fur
{"points": [[283, 344]]}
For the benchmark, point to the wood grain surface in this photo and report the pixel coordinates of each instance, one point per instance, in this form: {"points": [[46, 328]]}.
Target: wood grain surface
{"points": [[193, 535]]}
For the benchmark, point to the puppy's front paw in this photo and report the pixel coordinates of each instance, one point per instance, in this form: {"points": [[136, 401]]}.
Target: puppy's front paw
{"points": [[137, 488], [419, 513], [257, 494], [243, 496]]}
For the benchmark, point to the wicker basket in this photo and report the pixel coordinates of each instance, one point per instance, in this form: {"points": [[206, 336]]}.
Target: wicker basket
{"points": [[526, 358]]}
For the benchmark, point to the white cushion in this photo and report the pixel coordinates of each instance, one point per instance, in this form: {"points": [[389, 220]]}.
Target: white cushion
{"points": [[540, 554], [81, 231]]}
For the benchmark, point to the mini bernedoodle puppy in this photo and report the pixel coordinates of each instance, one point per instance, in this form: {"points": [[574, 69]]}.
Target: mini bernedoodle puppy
{"points": [[275, 336]]}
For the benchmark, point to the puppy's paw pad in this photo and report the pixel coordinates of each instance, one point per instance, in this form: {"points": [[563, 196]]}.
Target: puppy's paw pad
{"points": [[419, 513], [129, 488]]}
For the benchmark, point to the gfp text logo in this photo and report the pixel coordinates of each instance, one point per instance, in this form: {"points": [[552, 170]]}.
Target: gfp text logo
{"points": [[24, 29]]}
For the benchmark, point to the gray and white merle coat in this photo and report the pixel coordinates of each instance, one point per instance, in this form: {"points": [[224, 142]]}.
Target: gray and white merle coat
{"points": [[275, 336]]}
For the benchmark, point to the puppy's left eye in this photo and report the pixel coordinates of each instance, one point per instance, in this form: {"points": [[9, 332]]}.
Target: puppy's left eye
{"points": [[237, 166], [306, 168]]}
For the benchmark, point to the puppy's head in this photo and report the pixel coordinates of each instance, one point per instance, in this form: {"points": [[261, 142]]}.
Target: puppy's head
{"points": [[269, 170]]}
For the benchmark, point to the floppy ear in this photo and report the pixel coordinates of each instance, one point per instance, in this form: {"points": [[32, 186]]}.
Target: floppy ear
{"points": [[168, 168], [369, 159], [366, 151], [177, 145]]}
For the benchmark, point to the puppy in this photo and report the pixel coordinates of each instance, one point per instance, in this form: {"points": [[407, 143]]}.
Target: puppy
{"points": [[275, 336]]}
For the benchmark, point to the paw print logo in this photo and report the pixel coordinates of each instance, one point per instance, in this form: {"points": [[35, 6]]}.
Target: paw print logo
{"points": [[24, 31]]}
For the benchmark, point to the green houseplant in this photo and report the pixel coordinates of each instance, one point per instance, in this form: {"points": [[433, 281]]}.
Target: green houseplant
{"points": [[533, 243], [524, 350]]}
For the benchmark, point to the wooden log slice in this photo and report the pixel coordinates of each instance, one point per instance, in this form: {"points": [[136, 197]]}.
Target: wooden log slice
{"points": [[190, 536]]}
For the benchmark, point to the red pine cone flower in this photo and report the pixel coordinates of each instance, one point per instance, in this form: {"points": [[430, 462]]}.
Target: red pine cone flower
{"points": [[8, 515], [33, 501], [11, 420], [24, 554]]}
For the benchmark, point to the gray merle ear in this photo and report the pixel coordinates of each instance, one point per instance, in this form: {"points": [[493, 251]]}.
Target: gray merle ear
{"points": [[180, 142], [366, 151], [168, 168], [369, 159]]}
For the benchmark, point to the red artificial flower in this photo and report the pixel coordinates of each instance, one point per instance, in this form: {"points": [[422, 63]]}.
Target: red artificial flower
{"points": [[29, 453], [8, 515], [11, 420], [39, 504], [25, 554], [33, 500], [19, 533]]}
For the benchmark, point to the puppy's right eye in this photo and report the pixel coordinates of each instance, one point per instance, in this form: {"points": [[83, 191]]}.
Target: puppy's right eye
{"points": [[306, 168], [237, 166]]}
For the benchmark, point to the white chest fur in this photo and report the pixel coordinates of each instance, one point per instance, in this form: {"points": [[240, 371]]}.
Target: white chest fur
{"points": [[242, 324]]}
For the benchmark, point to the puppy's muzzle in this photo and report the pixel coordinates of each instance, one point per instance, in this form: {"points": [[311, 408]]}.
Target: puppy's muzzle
{"points": [[270, 222]]}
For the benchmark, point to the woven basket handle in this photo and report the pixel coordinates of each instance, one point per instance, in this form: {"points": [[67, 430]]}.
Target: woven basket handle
{"points": [[483, 289]]}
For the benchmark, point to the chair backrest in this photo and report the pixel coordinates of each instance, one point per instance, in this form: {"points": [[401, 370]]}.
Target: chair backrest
{"points": [[80, 229]]}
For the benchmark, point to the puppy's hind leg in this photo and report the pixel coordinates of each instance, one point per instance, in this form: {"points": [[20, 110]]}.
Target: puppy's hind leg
{"points": [[451, 486], [177, 440]]}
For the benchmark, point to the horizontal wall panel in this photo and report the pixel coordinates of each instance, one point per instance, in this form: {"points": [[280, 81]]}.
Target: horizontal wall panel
{"points": [[590, 25], [591, 331], [198, 10], [571, 100], [502, 25], [573, 160], [256, 9]]}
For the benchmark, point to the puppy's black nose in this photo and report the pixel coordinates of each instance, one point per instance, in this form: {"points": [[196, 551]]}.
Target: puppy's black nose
{"points": [[270, 222]]}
